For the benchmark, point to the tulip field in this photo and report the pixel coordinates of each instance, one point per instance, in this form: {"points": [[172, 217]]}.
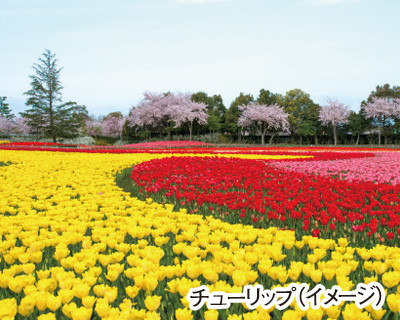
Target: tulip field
{"points": [[125, 232]]}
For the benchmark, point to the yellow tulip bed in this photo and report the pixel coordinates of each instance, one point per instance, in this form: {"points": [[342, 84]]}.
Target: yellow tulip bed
{"points": [[76, 246]]}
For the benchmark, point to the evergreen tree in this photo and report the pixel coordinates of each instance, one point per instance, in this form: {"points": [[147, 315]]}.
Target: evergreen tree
{"points": [[47, 114], [5, 110]]}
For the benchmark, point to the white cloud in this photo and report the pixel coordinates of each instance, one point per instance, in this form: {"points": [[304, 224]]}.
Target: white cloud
{"points": [[330, 2], [201, 1]]}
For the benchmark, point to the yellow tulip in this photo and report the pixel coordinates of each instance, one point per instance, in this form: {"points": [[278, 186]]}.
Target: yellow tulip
{"points": [[88, 301], [132, 292], [8, 308], [378, 314], [235, 317], [152, 303], [26, 306], [316, 275], [290, 315], [102, 308], [80, 291], [393, 302], [150, 284], [82, 314], [391, 279], [183, 314], [211, 315], [211, 275], [52, 302], [239, 278], [111, 294], [333, 312], [47, 316], [314, 314]]}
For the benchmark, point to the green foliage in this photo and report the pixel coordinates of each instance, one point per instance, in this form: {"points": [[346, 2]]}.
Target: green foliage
{"points": [[5, 110], [215, 109], [300, 108], [388, 125], [47, 114], [306, 128], [233, 113], [357, 123], [115, 114], [268, 98], [133, 134], [385, 91], [105, 141]]}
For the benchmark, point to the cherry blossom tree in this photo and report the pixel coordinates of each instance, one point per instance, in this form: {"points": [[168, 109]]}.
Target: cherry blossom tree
{"points": [[161, 111], [266, 118], [92, 127], [383, 111], [153, 111], [188, 111], [334, 114], [17, 125], [112, 126], [6, 125], [22, 126]]}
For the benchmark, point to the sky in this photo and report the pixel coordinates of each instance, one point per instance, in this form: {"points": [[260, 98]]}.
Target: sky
{"points": [[112, 52]]}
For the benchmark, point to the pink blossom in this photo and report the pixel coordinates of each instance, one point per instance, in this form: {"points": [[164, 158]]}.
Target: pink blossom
{"points": [[382, 107], [21, 126], [267, 119], [156, 110], [92, 128], [6, 125], [112, 126], [334, 114]]}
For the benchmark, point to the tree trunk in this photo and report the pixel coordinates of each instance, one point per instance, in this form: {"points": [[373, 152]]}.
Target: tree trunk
{"points": [[272, 137], [358, 139], [190, 130], [316, 139], [334, 135], [262, 139], [240, 136], [379, 137], [301, 140]]}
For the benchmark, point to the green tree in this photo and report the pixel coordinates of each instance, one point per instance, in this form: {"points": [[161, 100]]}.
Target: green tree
{"points": [[5, 110], [47, 113], [388, 124], [233, 113], [300, 108], [215, 109], [385, 91], [115, 114], [268, 98], [306, 129], [74, 118], [356, 124]]}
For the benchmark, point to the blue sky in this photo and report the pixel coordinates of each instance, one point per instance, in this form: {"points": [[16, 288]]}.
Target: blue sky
{"points": [[113, 51]]}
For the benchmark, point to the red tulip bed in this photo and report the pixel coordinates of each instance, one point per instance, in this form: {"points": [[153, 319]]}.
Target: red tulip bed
{"points": [[266, 194]]}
